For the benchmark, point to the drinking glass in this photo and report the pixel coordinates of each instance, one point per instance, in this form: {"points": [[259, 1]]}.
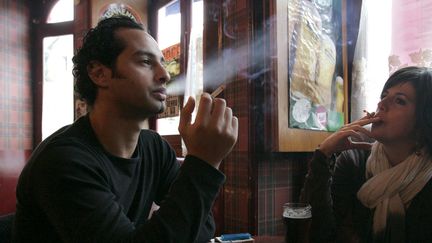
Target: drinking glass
{"points": [[297, 219]]}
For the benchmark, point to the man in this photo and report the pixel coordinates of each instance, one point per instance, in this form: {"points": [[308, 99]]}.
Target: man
{"points": [[96, 180]]}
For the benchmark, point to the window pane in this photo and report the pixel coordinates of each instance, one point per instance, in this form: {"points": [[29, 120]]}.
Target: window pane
{"points": [[61, 12], [169, 27], [57, 103], [194, 70]]}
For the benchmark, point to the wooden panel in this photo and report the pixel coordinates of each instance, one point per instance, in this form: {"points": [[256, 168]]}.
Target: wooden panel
{"points": [[11, 164]]}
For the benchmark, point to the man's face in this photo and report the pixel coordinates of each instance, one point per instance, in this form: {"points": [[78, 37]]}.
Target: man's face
{"points": [[137, 86]]}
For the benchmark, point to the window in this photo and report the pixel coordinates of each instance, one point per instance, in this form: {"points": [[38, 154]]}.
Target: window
{"points": [[393, 34], [61, 12], [187, 82], [54, 99], [57, 101], [169, 29]]}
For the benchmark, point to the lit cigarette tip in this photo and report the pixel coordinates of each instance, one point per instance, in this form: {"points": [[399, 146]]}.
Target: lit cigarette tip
{"points": [[217, 91]]}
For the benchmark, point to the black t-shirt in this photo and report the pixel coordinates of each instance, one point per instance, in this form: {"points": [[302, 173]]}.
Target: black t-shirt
{"points": [[72, 190]]}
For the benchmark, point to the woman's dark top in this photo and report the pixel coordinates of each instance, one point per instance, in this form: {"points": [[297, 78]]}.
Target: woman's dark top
{"points": [[338, 216], [72, 190]]}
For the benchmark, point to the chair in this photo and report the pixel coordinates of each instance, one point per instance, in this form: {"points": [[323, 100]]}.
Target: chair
{"points": [[6, 222]]}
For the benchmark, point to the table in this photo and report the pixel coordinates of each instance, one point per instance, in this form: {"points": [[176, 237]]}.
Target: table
{"points": [[269, 239]]}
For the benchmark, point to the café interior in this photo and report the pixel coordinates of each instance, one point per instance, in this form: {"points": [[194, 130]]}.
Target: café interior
{"points": [[294, 72]]}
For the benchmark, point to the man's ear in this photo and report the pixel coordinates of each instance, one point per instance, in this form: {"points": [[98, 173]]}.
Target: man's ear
{"points": [[99, 73]]}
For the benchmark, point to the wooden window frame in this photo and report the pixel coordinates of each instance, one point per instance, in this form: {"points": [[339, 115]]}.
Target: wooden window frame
{"points": [[40, 30], [185, 27]]}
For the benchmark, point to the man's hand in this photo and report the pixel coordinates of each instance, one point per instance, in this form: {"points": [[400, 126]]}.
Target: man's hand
{"points": [[214, 132]]}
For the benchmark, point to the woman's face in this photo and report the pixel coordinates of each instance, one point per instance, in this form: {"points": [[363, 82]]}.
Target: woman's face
{"points": [[397, 112]]}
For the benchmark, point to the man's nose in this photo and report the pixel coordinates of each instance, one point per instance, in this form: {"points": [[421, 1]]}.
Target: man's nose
{"points": [[162, 74]]}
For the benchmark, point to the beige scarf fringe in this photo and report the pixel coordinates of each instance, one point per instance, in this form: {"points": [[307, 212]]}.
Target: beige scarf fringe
{"points": [[390, 189]]}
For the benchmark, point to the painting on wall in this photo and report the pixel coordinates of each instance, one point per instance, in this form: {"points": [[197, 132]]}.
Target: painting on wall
{"points": [[311, 70], [315, 74]]}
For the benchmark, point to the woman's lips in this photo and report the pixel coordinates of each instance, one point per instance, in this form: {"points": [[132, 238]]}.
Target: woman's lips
{"points": [[377, 124]]}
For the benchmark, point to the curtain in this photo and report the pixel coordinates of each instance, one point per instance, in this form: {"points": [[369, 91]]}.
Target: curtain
{"points": [[370, 65], [392, 34], [412, 34]]}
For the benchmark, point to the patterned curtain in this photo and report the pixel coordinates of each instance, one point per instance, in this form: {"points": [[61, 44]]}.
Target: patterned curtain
{"points": [[411, 34]]}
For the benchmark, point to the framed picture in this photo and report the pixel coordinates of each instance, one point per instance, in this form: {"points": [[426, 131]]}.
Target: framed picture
{"points": [[311, 71]]}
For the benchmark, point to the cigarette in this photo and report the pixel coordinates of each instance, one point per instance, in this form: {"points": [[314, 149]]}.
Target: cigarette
{"points": [[369, 114], [217, 91]]}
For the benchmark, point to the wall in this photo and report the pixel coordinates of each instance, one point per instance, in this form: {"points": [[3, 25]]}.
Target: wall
{"points": [[280, 179], [258, 181], [15, 97]]}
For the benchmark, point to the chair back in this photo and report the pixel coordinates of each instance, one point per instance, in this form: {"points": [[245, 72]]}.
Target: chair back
{"points": [[6, 222]]}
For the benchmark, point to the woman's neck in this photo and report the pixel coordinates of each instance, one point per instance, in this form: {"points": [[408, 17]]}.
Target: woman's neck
{"points": [[396, 153]]}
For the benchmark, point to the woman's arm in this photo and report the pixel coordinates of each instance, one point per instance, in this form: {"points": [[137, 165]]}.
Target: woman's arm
{"points": [[316, 191], [317, 188], [352, 219]]}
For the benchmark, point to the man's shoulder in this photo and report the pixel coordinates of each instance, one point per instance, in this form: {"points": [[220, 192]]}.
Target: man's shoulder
{"points": [[72, 142], [76, 135], [150, 134], [66, 138]]}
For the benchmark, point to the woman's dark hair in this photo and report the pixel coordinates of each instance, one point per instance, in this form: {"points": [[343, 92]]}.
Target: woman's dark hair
{"points": [[102, 45], [421, 80]]}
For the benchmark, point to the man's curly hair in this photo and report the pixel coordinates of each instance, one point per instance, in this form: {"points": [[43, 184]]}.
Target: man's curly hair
{"points": [[102, 45]]}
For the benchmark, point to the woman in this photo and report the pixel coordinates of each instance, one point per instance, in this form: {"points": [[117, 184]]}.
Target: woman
{"points": [[381, 191]]}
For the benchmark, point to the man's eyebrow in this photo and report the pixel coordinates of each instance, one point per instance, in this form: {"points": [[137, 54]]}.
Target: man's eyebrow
{"points": [[149, 54]]}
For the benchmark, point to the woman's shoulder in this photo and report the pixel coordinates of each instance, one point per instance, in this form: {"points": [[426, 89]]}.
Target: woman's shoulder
{"points": [[419, 216], [350, 165], [426, 193], [353, 158]]}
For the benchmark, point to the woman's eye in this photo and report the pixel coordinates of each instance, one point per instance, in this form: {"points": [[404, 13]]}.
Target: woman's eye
{"points": [[400, 101]]}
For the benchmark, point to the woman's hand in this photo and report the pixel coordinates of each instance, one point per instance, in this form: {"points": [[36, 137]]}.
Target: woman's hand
{"points": [[340, 140]]}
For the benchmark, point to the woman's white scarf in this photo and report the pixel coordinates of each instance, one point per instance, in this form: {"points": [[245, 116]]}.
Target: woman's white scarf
{"points": [[390, 190]]}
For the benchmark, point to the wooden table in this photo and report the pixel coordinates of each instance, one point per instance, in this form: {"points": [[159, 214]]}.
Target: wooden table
{"points": [[269, 239], [265, 239]]}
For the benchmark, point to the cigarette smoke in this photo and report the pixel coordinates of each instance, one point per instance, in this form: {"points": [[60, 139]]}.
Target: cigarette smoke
{"points": [[233, 63]]}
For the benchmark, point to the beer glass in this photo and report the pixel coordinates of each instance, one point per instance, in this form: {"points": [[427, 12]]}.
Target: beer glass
{"points": [[297, 219]]}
